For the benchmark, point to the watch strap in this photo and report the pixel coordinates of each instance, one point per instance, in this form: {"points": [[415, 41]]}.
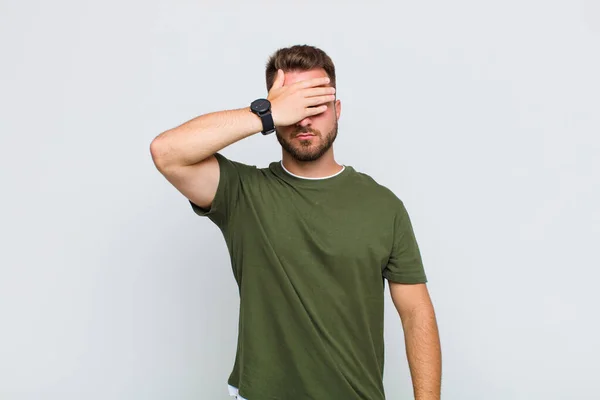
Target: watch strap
{"points": [[267, 122]]}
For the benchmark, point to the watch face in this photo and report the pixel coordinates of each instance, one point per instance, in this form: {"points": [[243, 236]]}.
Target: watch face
{"points": [[261, 105]]}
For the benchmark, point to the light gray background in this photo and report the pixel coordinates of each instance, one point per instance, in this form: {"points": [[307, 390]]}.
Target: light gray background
{"points": [[482, 116]]}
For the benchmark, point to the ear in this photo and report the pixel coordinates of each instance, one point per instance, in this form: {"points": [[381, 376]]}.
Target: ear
{"points": [[338, 108]]}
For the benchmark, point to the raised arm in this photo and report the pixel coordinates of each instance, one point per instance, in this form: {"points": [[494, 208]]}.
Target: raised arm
{"points": [[185, 154]]}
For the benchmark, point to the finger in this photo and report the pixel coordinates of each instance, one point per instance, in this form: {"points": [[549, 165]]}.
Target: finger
{"points": [[317, 100], [312, 82], [310, 111], [279, 78], [318, 91]]}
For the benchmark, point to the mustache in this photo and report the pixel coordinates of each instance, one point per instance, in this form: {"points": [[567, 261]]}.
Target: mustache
{"points": [[302, 130]]}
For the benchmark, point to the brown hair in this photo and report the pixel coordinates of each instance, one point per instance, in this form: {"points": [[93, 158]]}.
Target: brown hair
{"points": [[299, 58]]}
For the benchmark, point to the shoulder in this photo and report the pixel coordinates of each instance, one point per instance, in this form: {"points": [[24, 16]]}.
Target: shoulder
{"points": [[368, 185], [238, 169], [227, 162]]}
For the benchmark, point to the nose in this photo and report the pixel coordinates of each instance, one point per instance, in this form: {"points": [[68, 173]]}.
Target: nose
{"points": [[304, 122]]}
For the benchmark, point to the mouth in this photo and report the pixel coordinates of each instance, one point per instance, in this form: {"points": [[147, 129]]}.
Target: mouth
{"points": [[304, 136]]}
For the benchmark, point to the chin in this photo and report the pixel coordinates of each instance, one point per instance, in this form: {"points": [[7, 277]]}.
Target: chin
{"points": [[306, 157]]}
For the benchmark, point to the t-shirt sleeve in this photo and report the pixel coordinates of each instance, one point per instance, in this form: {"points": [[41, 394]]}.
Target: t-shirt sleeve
{"points": [[231, 176], [405, 264]]}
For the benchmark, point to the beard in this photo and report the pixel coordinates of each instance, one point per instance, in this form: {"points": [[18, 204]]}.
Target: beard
{"points": [[308, 149]]}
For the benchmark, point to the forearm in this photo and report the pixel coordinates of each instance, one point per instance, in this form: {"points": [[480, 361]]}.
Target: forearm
{"points": [[203, 136], [423, 352]]}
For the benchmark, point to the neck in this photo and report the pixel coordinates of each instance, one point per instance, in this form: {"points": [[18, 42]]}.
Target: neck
{"points": [[323, 167]]}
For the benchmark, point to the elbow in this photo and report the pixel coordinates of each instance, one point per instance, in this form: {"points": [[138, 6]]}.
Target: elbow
{"points": [[158, 152]]}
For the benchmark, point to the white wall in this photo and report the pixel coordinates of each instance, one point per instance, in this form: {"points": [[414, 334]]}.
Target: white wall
{"points": [[482, 116]]}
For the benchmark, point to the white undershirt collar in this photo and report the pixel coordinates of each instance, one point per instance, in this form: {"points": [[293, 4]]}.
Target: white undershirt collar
{"points": [[314, 179]]}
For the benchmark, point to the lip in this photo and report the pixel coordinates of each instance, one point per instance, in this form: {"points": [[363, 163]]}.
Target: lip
{"points": [[304, 136]]}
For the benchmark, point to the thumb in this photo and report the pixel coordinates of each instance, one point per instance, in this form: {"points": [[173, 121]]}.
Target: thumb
{"points": [[279, 78]]}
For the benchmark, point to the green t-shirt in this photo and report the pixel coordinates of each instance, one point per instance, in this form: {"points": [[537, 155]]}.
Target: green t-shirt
{"points": [[310, 257]]}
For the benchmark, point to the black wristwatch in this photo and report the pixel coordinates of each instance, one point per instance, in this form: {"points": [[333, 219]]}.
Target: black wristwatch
{"points": [[262, 108]]}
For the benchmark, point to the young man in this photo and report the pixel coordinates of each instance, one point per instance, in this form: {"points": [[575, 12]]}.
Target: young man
{"points": [[311, 244]]}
